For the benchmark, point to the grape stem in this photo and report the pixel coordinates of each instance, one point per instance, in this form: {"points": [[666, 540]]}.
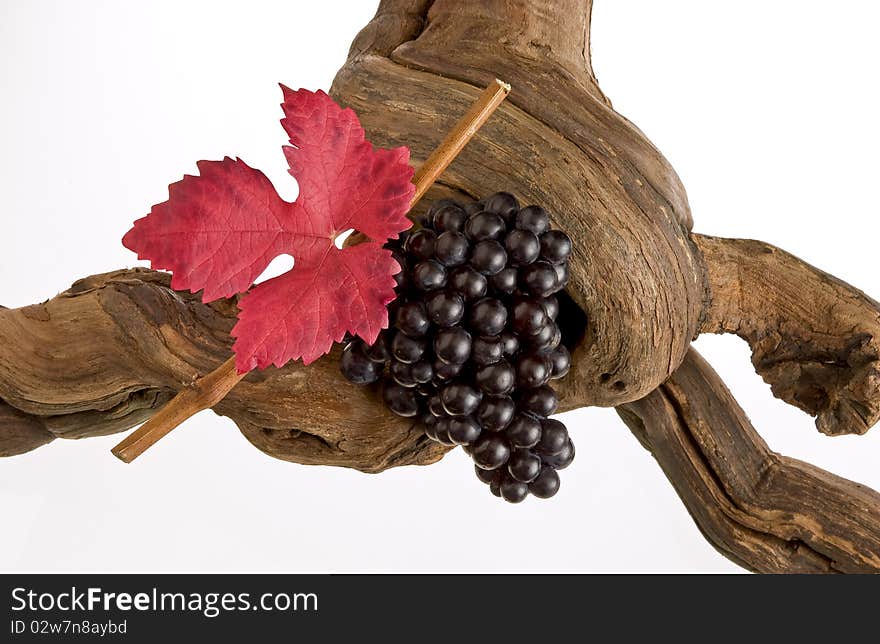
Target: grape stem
{"points": [[207, 391]]}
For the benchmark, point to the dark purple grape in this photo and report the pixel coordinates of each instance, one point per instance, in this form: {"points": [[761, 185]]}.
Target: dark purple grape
{"points": [[560, 359], [487, 350], [445, 370], [422, 371], [439, 205], [496, 379], [528, 316], [562, 459], [485, 225], [551, 306], [488, 316], [524, 465], [554, 437], [513, 491], [430, 275], [401, 276], [435, 406], [496, 412], [541, 401], [546, 339], [421, 244], [429, 424], [533, 219], [538, 278], [504, 281], [547, 483], [442, 431], [379, 350], [402, 374], [562, 276], [487, 476], [490, 451], [524, 431], [445, 308], [489, 257], [460, 399], [452, 345], [510, 343], [451, 248], [495, 486], [464, 430], [555, 246], [400, 400], [467, 281], [407, 349], [412, 319], [533, 371], [503, 203], [357, 367], [449, 217], [522, 247]]}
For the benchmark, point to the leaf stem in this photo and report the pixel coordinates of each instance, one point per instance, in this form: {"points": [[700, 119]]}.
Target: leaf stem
{"points": [[208, 390]]}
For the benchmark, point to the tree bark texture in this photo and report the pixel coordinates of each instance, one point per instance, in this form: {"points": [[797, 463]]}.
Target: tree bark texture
{"points": [[104, 355]]}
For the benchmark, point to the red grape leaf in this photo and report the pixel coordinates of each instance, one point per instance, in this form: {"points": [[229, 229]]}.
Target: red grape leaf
{"points": [[219, 230]]}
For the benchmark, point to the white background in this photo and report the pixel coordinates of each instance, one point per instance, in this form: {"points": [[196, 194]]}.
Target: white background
{"points": [[768, 110]]}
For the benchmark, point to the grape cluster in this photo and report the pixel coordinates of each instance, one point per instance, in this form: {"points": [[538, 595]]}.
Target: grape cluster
{"points": [[474, 341]]}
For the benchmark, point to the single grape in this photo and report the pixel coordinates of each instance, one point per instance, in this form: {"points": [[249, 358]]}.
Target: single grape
{"points": [[357, 367], [510, 343], [430, 275], [496, 379], [533, 371], [488, 316], [504, 281], [562, 276], [555, 246], [412, 319], [538, 278], [496, 412], [528, 316], [513, 491], [421, 244], [487, 350], [533, 219], [460, 399], [452, 345], [522, 246], [560, 359], [445, 308], [429, 424], [524, 431], [464, 430], [490, 451], [541, 401], [467, 281], [402, 374], [495, 486], [554, 437], [485, 225], [449, 217], [422, 371], [561, 460], [379, 351], [435, 406], [442, 431], [473, 207], [487, 476], [551, 306], [503, 203], [444, 371], [489, 257], [400, 400], [401, 276], [547, 337], [407, 349], [524, 465], [546, 485], [451, 248]]}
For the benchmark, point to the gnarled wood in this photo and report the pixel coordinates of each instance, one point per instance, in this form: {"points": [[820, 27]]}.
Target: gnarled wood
{"points": [[106, 354]]}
